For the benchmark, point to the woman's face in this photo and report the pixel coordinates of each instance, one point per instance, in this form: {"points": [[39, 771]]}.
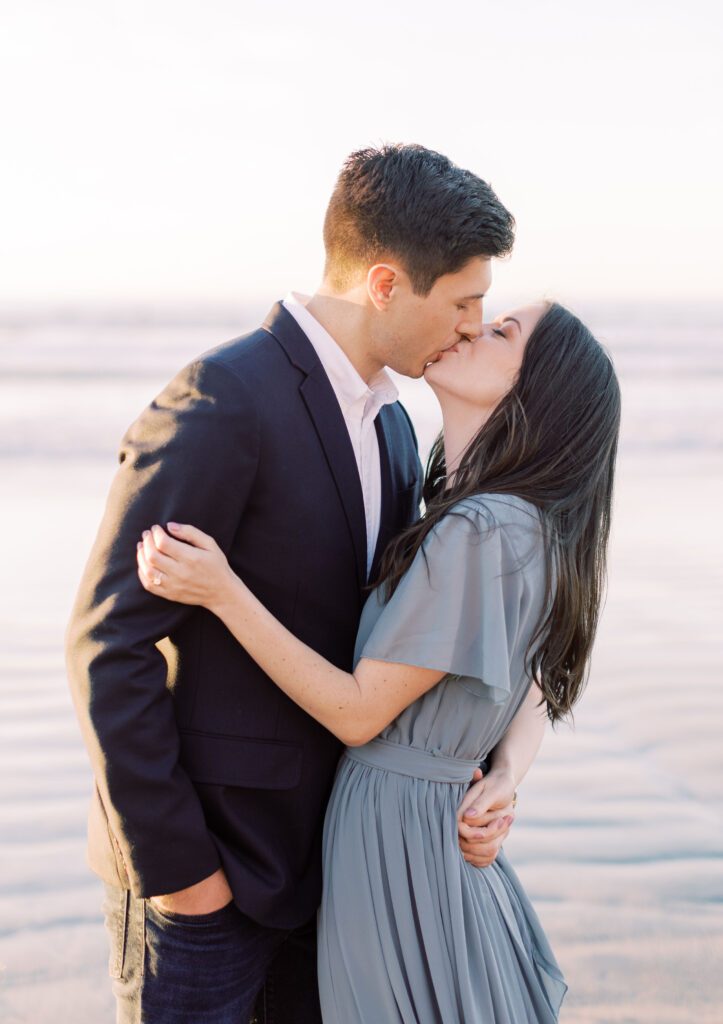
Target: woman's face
{"points": [[481, 372]]}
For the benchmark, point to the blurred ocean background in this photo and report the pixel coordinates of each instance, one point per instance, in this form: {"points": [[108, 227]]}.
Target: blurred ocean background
{"points": [[619, 836]]}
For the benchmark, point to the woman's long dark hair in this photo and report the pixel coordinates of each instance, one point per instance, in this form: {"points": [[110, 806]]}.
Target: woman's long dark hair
{"points": [[552, 440]]}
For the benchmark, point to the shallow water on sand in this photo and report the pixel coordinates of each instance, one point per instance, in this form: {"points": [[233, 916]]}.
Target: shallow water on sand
{"points": [[619, 837]]}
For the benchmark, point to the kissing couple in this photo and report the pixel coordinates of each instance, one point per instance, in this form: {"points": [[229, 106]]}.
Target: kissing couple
{"points": [[307, 706]]}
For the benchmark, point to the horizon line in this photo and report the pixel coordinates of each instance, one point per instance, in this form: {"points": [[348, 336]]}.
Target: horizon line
{"points": [[209, 311]]}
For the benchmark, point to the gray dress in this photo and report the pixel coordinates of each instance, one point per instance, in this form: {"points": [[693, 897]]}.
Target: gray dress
{"points": [[409, 933]]}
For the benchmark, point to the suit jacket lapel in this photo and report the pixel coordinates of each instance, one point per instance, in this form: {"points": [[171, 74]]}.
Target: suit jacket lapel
{"points": [[323, 407]]}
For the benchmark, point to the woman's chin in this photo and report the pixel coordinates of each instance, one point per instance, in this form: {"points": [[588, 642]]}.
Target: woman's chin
{"points": [[438, 378]]}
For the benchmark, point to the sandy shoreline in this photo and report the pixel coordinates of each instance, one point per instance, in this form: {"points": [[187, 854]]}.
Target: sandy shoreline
{"points": [[618, 839]]}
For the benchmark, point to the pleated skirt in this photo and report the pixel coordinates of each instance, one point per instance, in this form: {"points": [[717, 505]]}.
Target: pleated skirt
{"points": [[409, 933]]}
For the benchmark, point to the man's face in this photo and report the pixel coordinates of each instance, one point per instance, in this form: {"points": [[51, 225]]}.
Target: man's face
{"points": [[417, 328]]}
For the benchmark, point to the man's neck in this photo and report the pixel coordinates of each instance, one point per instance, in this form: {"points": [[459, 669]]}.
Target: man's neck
{"points": [[346, 321]]}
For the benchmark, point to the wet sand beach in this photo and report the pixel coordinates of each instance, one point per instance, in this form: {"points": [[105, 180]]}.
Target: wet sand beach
{"points": [[619, 836]]}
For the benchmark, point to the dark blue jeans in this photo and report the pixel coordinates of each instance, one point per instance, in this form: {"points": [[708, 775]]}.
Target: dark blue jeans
{"points": [[218, 968]]}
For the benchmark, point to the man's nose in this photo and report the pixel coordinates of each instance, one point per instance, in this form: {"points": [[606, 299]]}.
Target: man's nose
{"points": [[470, 326]]}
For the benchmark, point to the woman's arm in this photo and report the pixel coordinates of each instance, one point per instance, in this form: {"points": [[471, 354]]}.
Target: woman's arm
{"points": [[354, 706], [518, 748], [487, 809]]}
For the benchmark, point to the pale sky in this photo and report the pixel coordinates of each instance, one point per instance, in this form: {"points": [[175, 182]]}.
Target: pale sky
{"points": [[175, 152]]}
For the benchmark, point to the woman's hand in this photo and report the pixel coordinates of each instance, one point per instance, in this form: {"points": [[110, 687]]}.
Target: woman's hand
{"points": [[484, 817], [188, 567], [486, 812]]}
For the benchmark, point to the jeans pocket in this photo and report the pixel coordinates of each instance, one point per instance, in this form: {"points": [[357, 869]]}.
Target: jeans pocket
{"points": [[193, 920], [116, 907]]}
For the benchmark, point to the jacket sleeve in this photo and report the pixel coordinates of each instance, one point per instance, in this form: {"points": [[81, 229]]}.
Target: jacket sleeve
{"points": [[190, 457]]}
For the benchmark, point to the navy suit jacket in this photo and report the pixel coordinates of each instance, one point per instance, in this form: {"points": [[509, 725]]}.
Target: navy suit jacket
{"points": [[199, 759]]}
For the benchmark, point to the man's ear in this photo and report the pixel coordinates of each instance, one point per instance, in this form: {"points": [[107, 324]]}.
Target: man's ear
{"points": [[382, 281]]}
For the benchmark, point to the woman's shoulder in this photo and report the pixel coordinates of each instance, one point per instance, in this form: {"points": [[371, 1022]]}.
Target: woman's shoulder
{"points": [[509, 524], [499, 510]]}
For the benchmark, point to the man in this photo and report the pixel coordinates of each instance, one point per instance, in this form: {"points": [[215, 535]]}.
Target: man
{"points": [[287, 446]]}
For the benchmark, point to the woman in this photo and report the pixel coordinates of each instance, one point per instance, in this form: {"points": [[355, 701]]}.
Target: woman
{"points": [[487, 605]]}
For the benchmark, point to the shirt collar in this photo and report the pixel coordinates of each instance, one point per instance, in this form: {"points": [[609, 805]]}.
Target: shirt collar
{"points": [[349, 387]]}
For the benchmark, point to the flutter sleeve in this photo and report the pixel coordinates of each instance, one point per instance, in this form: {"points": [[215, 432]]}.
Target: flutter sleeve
{"points": [[459, 607]]}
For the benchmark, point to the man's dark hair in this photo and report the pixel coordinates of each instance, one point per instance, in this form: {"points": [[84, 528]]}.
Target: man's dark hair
{"points": [[413, 205]]}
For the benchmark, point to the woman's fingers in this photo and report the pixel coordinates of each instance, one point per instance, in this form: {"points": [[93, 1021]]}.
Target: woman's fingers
{"points": [[482, 851], [482, 858], [156, 566], [474, 797], [493, 793], [150, 578], [168, 545], [163, 578], [181, 547], [488, 827], [481, 813], [484, 818], [161, 549], [161, 540], [155, 557], [191, 535]]}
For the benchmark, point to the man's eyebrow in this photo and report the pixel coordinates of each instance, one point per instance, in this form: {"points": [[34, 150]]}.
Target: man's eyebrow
{"points": [[471, 298]]}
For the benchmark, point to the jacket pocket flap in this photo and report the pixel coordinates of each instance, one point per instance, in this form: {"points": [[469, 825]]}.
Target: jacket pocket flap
{"points": [[238, 761]]}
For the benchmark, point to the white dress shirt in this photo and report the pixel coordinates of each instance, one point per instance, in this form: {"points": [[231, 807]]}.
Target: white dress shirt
{"points": [[360, 402]]}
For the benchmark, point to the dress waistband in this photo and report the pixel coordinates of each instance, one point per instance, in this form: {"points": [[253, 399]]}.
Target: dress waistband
{"points": [[411, 761]]}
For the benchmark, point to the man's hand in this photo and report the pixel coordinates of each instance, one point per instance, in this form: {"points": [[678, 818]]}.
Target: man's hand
{"points": [[204, 897], [485, 816]]}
